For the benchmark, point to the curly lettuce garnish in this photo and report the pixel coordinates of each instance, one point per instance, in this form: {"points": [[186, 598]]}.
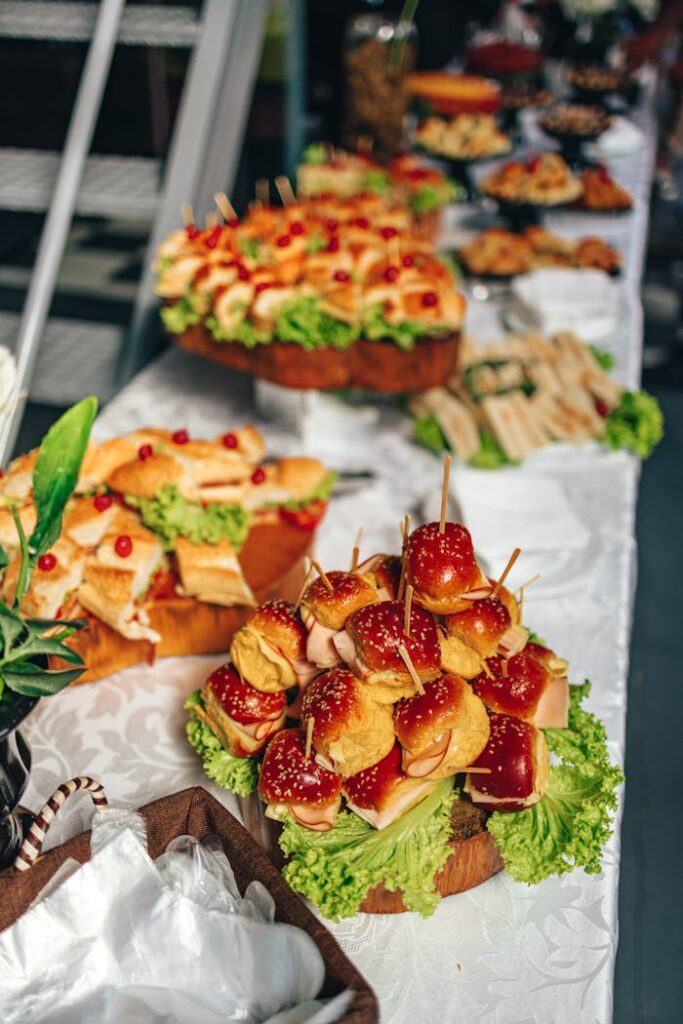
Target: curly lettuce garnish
{"points": [[637, 423], [336, 869], [570, 825], [428, 433], [490, 454], [377, 328], [238, 774], [169, 515], [183, 314]]}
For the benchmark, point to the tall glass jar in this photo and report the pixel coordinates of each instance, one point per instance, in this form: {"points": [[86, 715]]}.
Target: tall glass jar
{"points": [[378, 54]]}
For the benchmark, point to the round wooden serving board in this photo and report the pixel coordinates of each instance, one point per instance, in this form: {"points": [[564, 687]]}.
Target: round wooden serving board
{"points": [[474, 855], [368, 365], [272, 560]]}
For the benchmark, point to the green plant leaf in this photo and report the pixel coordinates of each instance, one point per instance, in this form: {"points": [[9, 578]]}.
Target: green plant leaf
{"points": [[43, 646], [4, 559], [11, 626], [56, 471], [33, 681]]}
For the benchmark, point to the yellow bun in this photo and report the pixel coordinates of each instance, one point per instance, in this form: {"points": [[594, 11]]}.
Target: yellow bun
{"points": [[144, 478], [300, 476]]}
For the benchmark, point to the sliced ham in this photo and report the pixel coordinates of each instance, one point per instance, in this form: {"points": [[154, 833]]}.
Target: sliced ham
{"points": [[482, 589], [320, 646], [347, 650], [304, 670], [552, 710], [417, 766], [261, 729], [513, 641], [409, 795], [318, 819]]}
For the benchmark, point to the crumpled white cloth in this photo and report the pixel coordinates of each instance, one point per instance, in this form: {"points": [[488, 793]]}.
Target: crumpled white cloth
{"points": [[169, 941]]}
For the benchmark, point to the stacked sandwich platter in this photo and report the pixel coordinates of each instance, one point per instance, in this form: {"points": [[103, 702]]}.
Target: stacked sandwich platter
{"points": [[168, 542], [409, 688], [323, 293]]}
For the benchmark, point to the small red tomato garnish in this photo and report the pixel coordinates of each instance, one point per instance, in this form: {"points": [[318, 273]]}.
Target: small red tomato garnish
{"points": [[390, 274], [296, 228], [601, 407], [102, 502], [388, 233], [242, 273], [262, 285], [144, 451], [283, 241], [229, 440], [123, 545], [331, 223], [214, 238], [361, 222], [429, 299], [192, 231], [306, 518], [342, 276], [180, 436], [258, 476], [234, 222], [334, 245], [533, 163], [47, 562], [408, 260]]}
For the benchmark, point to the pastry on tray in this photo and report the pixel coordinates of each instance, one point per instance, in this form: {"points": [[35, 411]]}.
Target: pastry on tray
{"points": [[320, 293], [601, 192], [464, 137], [167, 543], [594, 79], [406, 181], [542, 180], [498, 252], [513, 398], [407, 733], [575, 120], [450, 94]]}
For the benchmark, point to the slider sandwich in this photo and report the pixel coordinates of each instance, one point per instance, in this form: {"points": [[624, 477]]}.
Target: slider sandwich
{"points": [[325, 612], [443, 730], [292, 783], [519, 763], [524, 687], [384, 572], [270, 650], [383, 793], [477, 633], [442, 568], [242, 717], [350, 731], [370, 647]]}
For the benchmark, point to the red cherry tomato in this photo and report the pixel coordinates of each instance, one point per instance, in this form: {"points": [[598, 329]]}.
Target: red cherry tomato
{"points": [[180, 436], [102, 502], [47, 562], [306, 518], [342, 276], [258, 476], [229, 440], [123, 545], [144, 451], [390, 274], [430, 299]]}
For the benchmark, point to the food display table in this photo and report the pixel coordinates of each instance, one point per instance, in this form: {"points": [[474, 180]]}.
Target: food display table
{"points": [[502, 952]]}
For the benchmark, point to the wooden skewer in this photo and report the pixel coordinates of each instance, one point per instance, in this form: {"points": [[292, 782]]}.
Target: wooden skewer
{"points": [[444, 493], [262, 191], [408, 609], [404, 527], [504, 575], [407, 661], [308, 569], [187, 214], [472, 771], [402, 579], [355, 557], [211, 220], [323, 576], [225, 206], [285, 190], [309, 737], [534, 579], [485, 669]]}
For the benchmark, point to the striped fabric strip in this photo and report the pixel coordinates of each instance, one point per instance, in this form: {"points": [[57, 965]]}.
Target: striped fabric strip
{"points": [[35, 836]]}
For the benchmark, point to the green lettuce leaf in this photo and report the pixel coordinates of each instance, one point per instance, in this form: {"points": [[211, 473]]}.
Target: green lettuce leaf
{"points": [[303, 322], [316, 153], [490, 455], [377, 328], [238, 774], [432, 197], [375, 181], [251, 247], [336, 869], [245, 333], [637, 423], [603, 358], [570, 825], [320, 493], [178, 317], [427, 432], [170, 516]]}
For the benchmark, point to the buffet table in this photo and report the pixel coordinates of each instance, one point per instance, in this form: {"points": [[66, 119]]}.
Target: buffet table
{"points": [[502, 952]]}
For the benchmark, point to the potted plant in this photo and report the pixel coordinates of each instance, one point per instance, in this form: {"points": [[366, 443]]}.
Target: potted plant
{"points": [[26, 644]]}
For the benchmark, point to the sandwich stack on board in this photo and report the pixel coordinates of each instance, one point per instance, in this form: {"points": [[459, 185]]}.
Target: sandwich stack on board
{"points": [[378, 691], [167, 541]]}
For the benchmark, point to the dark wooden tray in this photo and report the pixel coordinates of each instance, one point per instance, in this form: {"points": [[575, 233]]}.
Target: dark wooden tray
{"points": [[194, 812]]}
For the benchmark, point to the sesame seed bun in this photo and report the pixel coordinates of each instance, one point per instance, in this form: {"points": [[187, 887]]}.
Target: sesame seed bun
{"points": [[519, 762], [441, 567], [289, 777], [265, 648], [481, 626], [331, 608]]}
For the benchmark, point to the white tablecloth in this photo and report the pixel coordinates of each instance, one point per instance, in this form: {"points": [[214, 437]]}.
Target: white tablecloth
{"points": [[502, 952]]}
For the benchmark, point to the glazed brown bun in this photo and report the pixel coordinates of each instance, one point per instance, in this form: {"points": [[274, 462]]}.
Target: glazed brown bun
{"points": [[292, 783], [523, 687], [385, 573], [350, 731], [443, 730], [243, 718], [383, 793], [325, 612], [518, 761], [442, 568], [369, 645], [331, 608], [481, 626], [270, 650]]}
